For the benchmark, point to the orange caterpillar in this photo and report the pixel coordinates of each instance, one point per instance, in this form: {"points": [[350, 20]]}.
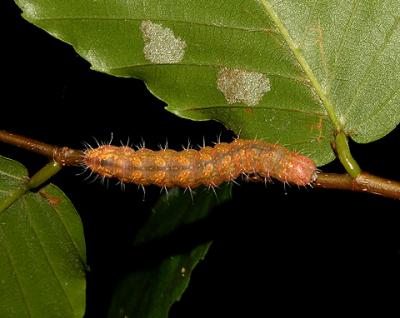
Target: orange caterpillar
{"points": [[209, 166]]}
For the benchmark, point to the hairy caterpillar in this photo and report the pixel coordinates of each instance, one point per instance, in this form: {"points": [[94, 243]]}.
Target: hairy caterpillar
{"points": [[209, 166]]}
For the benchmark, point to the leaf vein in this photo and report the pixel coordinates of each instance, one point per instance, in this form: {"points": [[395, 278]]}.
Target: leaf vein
{"points": [[368, 69], [269, 11], [118, 69], [200, 108], [382, 105], [344, 33], [124, 19], [48, 260], [10, 259], [11, 176], [306, 24], [68, 232]]}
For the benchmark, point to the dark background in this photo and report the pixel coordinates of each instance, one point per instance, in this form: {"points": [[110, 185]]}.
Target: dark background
{"points": [[303, 251]]}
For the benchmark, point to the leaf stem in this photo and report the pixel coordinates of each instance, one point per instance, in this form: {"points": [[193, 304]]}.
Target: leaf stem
{"points": [[44, 174], [37, 179], [344, 155]]}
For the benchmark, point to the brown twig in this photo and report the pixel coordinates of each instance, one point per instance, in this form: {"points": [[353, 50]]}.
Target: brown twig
{"points": [[364, 182], [63, 155]]}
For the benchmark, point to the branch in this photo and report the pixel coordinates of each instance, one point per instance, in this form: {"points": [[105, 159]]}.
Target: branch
{"points": [[63, 155], [364, 182]]}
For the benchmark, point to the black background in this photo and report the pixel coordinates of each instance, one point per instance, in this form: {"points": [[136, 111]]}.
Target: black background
{"points": [[293, 251]]}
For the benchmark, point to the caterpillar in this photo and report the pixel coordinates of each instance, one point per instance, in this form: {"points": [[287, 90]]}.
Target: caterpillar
{"points": [[209, 166]]}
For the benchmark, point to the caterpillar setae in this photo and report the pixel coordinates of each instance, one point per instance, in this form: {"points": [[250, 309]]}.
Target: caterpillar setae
{"points": [[209, 166]]}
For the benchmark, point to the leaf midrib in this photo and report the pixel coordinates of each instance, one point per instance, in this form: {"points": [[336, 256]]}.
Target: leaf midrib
{"points": [[201, 108], [326, 103], [119, 19]]}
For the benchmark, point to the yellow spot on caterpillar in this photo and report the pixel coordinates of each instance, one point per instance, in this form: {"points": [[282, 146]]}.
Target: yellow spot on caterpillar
{"points": [[161, 46], [240, 86]]}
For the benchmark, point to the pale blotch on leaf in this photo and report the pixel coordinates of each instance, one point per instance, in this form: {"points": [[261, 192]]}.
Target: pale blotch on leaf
{"points": [[29, 9], [240, 86], [161, 46]]}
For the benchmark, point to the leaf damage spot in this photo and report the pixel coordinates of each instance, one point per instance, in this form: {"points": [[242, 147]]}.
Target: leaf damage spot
{"points": [[241, 86], [161, 46], [183, 271], [29, 9], [319, 128], [51, 199]]}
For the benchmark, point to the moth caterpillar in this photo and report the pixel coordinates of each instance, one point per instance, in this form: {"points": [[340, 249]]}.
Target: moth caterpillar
{"points": [[209, 166]]}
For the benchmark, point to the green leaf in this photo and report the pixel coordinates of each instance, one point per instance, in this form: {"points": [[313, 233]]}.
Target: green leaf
{"points": [[291, 72], [150, 291], [42, 250]]}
